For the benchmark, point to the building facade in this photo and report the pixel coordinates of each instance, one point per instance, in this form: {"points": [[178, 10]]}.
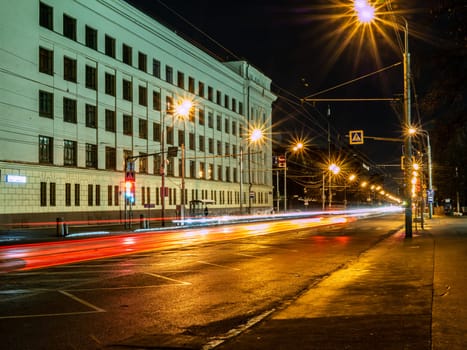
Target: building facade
{"points": [[87, 84]]}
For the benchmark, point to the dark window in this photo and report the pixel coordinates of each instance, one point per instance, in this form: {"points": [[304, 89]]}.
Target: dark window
{"points": [[180, 80], [69, 110], [192, 169], [234, 105], [116, 195], [168, 104], [211, 145], [156, 100], [90, 195], [77, 194], [127, 124], [142, 62], [210, 93], [201, 89], [218, 97], [227, 126], [127, 90], [69, 27], [46, 61], [68, 194], [192, 141], [181, 137], [127, 54], [91, 77], [52, 194], [69, 153], [191, 85], [219, 148], [170, 135], [234, 128], [201, 116], [156, 132], [210, 120], [143, 95], [46, 147], [219, 122], [91, 156], [156, 68], [46, 104], [109, 120], [169, 74], [226, 101], [91, 116], [143, 128], [69, 69], [110, 158], [110, 84], [109, 46], [201, 143], [91, 37], [43, 194], [98, 195], [46, 16], [240, 108], [109, 195], [143, 164]]}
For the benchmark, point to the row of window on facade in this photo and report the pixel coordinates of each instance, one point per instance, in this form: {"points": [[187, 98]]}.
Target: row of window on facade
{"points": [[199, 170], [69, 31], [48, 195]]}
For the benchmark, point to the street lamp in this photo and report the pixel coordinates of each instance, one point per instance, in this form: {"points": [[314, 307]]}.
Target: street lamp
{"points": [[350, 179], [333, 169], [255, 136], [366, 13], [297, 148]]}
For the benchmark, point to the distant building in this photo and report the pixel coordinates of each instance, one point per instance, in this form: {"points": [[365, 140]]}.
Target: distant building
{"points": [[87, 83]]}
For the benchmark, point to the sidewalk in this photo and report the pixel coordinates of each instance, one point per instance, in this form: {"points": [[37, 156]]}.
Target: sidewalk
{"points": [[403, 294]]}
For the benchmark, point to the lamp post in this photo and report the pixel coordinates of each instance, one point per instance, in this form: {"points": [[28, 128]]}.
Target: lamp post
{"points": [[333, 169], [296, 148], [366, 13]]}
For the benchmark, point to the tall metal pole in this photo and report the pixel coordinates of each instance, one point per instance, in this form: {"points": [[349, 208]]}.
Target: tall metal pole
{"points": [[241, 180], [430, 177], [183, 200], [285, 182], [408, 138], [162, 171]]}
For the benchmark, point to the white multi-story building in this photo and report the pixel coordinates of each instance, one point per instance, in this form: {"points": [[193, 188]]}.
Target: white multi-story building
{"points": [[85, 84]]}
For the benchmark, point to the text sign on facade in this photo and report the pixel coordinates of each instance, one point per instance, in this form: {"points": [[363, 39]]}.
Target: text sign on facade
{"points": [[356, 137]]}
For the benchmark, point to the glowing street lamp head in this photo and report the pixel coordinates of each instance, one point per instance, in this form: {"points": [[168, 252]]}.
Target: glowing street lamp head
{"points": [[183, 108], [256, 135], [365, 11]]}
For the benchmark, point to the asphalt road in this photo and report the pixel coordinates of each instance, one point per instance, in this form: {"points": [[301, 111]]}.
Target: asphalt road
{"points": [[176, 296]]}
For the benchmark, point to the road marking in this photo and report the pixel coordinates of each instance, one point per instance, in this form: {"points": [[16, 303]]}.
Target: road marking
{"points": [[221, 266], [79, 300], [168, 278], [50, 315]]}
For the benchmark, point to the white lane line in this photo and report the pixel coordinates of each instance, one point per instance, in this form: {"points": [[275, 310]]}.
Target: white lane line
{"points": [[254, 256], [50, 315], [221, 266], [79, 300], [168, 278]]}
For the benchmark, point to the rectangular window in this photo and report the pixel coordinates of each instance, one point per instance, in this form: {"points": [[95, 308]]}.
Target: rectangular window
{"points": [[69, 69], [210, 120], [127, 90], [91, 37], [91, 77], [211, 145], [46, 61], [52, 194], [110, 84], [90, 195], [210, 93], [218, 97], [142, 62], [201, 89], [110, 46], [69, 153], [202, 170], [201, 116], [156, 68], [180, 80], [68, 194], [191, 85], [168, 104], [226, 101], [46, 16], [69, 110], [127, 54], [91, 156], [127, 125], [110, 158], [201, 143], [110, 120], [227, 149], [234, 105], [156, 132], [156, 100], [219, 122], [181, 137], [210, 173], [116, 196], [69, 27], [143, 128], [227, 126], [170, 135], [43, 194], [77, 195], [191, 141], [219, 172], [46, 104], [46, 149], [109, 195], [143, 95], [91, 116], [240, 108], [234, 128], [98, 195], [192, 169], [169, 74], [143, 163], [219, 148]]}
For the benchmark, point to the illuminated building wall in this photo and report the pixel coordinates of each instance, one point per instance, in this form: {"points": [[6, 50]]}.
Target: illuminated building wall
{"points": [[86, 83]]}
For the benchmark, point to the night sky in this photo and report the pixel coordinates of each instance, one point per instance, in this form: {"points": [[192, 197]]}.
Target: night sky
{"points": [[301, 48]]}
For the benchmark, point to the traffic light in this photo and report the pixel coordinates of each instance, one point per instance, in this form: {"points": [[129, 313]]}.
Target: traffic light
{"points": [[130, 182], [281, 162]]}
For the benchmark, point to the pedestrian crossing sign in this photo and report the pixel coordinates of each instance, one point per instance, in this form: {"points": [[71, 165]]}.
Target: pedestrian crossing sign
{"points": [[356, 137]]}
